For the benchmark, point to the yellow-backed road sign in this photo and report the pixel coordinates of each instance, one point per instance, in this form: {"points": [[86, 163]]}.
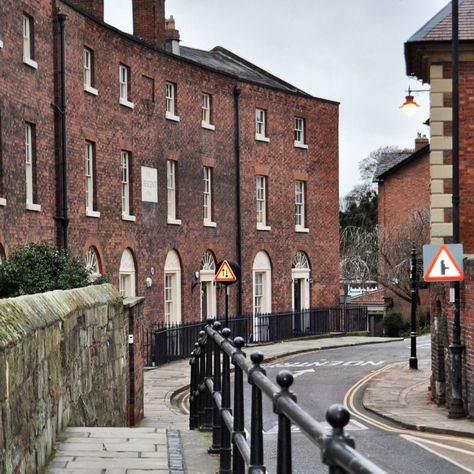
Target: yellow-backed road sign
{"points": [[443, 262], [227, 272]]}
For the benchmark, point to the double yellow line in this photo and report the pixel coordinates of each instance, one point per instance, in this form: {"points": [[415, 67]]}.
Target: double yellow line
{"points": [[350, 404]]}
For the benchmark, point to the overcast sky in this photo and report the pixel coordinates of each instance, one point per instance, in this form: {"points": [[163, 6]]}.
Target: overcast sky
{"points": [[350, 51]]}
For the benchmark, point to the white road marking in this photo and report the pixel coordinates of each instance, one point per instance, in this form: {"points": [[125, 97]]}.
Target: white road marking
{"points": [[327, 363], [420, 443], [353, 425]]}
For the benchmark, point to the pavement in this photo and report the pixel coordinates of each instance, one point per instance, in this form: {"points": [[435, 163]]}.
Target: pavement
{"points": [[162, 442]]}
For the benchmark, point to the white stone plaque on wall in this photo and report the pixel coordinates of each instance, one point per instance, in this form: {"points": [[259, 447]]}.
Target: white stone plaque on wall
{"points": [[149, 184]]}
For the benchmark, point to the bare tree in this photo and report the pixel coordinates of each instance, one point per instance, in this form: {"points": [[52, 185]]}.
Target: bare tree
{"points": [[383, 254], [395, 245]]}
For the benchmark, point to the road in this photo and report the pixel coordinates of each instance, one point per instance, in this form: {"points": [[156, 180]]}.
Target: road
{"points": [[325, 377]]}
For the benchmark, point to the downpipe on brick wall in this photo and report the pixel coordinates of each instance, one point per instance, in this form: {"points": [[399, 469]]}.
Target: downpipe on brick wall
{"points": [[237, 93]]}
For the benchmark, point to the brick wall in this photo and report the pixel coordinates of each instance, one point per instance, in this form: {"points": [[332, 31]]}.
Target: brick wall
{"points": [[152, 140], [63, 362]]}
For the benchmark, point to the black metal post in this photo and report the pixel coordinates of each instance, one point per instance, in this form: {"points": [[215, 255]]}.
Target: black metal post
{"points": [[456, 406], [216, 415], [192, 386], [227, 306], [201, 381], [225, 433], [413, 294], [256, 428], [238, 464], [207, 394], [284, 465], [194, 409]]}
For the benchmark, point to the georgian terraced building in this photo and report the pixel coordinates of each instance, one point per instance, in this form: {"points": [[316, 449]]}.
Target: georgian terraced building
{"points": [[153, 161]]}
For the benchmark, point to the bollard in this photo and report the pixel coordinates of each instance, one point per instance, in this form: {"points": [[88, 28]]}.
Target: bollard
{"points": [[238, 464]]}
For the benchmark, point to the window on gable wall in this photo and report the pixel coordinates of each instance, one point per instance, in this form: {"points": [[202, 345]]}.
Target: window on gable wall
{"points": [[207, 176], [171, 106], [89, 76], [124, 77], [30, 167], [90, 174], [28, 41], [260, 123], [125, 168], [261, 195], [299, 133]]}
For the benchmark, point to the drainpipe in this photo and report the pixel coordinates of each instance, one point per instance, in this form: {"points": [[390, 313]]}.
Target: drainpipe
{"points": [[237, 92], [62, 17]]}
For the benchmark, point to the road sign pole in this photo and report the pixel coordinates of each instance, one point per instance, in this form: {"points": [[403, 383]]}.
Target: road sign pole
{"points": [[227, 289], [413, 358]]}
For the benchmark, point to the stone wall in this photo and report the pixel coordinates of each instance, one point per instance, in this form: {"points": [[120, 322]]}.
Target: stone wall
{"points": [[63, 362]]}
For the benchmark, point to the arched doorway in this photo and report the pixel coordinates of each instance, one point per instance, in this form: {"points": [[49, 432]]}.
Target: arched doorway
{"points": [[172, 288], [262, 295], [127, 275], [208, 286], [300, 277]]}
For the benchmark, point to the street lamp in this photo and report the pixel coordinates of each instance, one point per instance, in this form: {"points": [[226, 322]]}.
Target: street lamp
{"points": [[410, 106], [456, 407]]}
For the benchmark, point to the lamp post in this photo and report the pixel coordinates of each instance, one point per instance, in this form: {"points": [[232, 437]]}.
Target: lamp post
{"points": [[413, 271], [456, 407]]}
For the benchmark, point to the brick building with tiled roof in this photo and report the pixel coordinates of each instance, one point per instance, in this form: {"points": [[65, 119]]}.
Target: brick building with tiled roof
{"points": [[173, 159], [428, 57]]}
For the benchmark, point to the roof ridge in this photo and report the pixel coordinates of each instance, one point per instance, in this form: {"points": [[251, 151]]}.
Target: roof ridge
{"points": [[236, 57]]}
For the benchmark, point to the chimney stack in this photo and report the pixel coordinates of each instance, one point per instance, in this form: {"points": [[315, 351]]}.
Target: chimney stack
{"points": [[421, 141], [149, 21], [172, 36], [93, 8]]}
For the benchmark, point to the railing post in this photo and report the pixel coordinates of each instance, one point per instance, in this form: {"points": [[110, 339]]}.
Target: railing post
{"points": [[216, 415], [207, 426], [195, 389], [256, 430], [284, 380], [192, 388], [337, 416], [238, 464], [202, 375], [225, 433]]}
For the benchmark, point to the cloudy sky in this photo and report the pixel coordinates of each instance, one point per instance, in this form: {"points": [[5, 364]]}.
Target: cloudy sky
{"points": [[350, 51]]}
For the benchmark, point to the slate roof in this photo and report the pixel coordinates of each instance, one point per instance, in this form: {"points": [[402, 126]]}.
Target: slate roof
{"points": [[439, 27], [224, 61], [388, 161]]}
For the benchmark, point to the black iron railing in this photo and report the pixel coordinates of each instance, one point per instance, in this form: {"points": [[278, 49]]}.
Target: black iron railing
{"points": [[168, 343], [210, 409]]}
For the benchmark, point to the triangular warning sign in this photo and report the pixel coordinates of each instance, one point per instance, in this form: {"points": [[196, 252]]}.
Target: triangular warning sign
{"points": [[225, 273], [444, 267]]}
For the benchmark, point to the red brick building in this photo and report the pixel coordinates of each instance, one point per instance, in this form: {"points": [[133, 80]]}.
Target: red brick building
{"points": [[160, 140], [428, 57], [402, 178]]}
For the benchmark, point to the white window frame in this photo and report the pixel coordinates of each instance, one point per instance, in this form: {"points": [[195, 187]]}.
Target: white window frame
{"points": [[299, 133], [90, 179], [300, 206], [206, 278], [261, 125], [88, 64], [127, 275], [261, 202], [170, 94], [125, 185], [28, 41], [171, 192], [124, 81], [261, 293], [206, 107], [30, 168], [207, 197]]}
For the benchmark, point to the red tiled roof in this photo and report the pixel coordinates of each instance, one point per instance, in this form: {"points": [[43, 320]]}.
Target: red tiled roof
{"points": [[370, 297], [439, 27]]}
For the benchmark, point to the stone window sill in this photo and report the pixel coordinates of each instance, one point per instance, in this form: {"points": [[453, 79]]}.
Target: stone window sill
{"points": [[30, 62], [173, 221], [126, 103], [303, 146], [262, 138], [33, 207], [303, 230], [173, 118], [208, 223], [90, 213], [91, 90], [128, 217], [261, 226], [208, 126], [3, 202], [1, 44]]}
